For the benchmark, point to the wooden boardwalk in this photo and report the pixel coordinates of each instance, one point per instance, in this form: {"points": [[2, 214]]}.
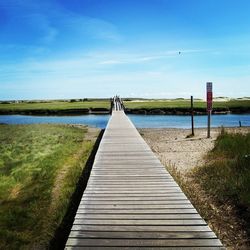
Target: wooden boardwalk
{"points": [[132, 202]]}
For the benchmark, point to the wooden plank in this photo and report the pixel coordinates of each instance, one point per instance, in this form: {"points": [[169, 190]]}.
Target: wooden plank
{"points": [[130, 184], [133, 169], [151, 192], [145, 156], [128, 180], [137, 216], [137, 211], [129, 162], [128, 166], [127, 154], [145, 188], [144, 242], [138, 177], [142, 235], [143, 198], [126, 172], [122, 186], [125, 165], [146, 181], [128, 222], [134, 202], [149, 188], [129, 170], [133, 194], [142, 248], [142, 228], [140, 190], [131, 207]]}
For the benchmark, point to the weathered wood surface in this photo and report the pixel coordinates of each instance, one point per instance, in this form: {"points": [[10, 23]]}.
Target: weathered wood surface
{"points": [[132, 202]]}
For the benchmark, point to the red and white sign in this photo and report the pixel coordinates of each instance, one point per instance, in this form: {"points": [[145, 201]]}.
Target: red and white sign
{"points": [[209, 96]]}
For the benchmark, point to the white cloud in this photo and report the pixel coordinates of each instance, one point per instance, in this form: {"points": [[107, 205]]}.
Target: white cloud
{"points": [[104, 74], [98, 28], [110, 62], [50, 19], [114, 58]]}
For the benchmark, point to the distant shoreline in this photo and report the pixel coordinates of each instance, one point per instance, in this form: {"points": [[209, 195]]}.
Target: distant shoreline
{"points": [[140, 107], [49, 112], [159, 111], [186, 111]]}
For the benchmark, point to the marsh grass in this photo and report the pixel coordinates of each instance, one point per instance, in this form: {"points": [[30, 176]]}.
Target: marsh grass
{"points": [[55, 105], [226, 175], [185, 103], [178, 103], [39, 168]]}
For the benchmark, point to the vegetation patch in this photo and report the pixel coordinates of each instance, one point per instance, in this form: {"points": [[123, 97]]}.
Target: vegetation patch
{"points": [[182, 106], [134, 106], [40, 166], [220, 190], [55, 107], [229, 165]]}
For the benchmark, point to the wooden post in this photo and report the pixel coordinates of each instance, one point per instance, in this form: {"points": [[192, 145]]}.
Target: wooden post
{"points": [[209, 106], [192, 114], [208, 123], [111, 105]]}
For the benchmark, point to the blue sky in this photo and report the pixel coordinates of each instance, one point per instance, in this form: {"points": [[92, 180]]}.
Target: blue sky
{"points": [[97, 48]]}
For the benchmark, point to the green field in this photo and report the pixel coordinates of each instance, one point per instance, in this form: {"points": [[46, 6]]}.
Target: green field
{"points": [[184, 103], [56, 105], [39, 168], [97, 105]]}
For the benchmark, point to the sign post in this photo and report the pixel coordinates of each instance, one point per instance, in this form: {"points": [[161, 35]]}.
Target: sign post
{"points": [[209, 106], [192, 115]]}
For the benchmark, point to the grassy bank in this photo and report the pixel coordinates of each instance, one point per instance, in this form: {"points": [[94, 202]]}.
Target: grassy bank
{"points": [[226, 176], [183, 105], [145, 106], [39, 168], [60, 107], [220, 189]]}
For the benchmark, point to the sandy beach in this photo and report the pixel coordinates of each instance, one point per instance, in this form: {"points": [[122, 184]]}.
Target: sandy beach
{"points": [[173, 147]]}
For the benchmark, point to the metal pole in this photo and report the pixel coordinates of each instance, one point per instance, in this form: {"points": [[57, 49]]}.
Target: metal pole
{"points": [[208, 123], [209, 106], [192, 114]]}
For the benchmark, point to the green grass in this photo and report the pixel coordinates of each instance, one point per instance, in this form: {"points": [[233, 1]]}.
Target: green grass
{"points": [[39, 168], [105, 104], [226, 176], [184, 103], [159, 104], [55, 105]]}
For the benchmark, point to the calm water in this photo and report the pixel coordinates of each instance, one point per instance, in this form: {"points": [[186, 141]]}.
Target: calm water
{"points": [[140, 121], [180, 121]]}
